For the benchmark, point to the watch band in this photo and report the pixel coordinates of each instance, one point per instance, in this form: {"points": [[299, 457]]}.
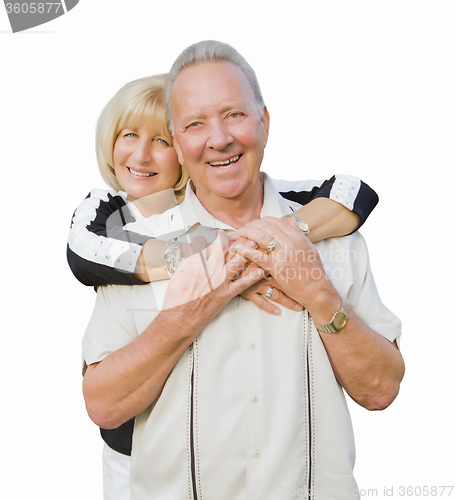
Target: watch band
{"points": [[303, 226], [339, 321]]}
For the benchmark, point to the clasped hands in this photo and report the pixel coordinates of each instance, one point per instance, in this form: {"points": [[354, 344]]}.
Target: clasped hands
{"points": [[291, 273], [292, 264]]}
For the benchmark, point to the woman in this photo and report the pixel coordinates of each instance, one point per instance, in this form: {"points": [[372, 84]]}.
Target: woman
{"points": [[137, 160]]}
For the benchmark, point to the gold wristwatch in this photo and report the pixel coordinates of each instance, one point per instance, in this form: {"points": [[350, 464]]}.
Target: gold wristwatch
{"points": [[339, 321]]}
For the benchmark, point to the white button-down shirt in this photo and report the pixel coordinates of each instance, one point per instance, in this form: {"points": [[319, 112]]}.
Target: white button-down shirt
{"points": [[252, 409]]}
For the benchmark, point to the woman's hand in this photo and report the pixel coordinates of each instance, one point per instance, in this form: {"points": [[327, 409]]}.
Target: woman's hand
{"points": [[203, 284]]}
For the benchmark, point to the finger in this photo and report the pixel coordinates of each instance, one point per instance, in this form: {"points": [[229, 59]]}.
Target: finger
{"points": [[233, 241], [234, 237], [265, 224], [277, 295], [281, 298], [256, 256], [282, 222], [291, 221], [237, 238], [261, 223], [235, 266], [257, 234], [261, 302], [245, 280], [275, 227]]}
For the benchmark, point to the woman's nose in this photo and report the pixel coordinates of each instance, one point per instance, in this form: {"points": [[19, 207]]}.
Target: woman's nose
{"points": [[143, 152]]}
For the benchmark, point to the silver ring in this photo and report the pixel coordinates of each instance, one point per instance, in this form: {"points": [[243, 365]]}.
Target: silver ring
{"points": [[271, 246], [269, 292]]}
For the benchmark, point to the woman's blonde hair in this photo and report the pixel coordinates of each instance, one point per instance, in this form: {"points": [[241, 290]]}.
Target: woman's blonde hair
{"points": [[139, 101]]}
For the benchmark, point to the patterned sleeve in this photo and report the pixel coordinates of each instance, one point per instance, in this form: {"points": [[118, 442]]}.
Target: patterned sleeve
{"points": [[350, 191], [99, 250]]}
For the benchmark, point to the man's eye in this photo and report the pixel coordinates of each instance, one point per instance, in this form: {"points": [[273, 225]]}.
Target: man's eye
{"points": [[194, 124], [235, 115]]}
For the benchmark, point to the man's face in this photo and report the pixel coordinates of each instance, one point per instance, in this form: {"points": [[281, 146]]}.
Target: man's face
{"points": [[219, 133]]}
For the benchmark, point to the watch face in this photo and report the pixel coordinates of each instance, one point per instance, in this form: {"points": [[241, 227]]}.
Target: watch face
{"points": [[340, 320], [303, 226]]}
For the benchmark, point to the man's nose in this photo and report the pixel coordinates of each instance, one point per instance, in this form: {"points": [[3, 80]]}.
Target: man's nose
{"points": [[220, 137]]}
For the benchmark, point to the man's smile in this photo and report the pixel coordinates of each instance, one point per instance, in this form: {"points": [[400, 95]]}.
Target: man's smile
{"points": [[225, 163]]}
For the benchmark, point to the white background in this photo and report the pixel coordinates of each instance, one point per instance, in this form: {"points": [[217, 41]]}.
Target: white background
{"points": [[360, 87]]}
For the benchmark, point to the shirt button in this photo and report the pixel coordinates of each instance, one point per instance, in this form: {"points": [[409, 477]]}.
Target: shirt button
{"points": [[257, 454], [255, 399], [252, 345]]}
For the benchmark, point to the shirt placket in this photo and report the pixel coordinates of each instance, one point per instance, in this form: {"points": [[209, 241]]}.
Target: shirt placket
{"points": [[255, 394]]}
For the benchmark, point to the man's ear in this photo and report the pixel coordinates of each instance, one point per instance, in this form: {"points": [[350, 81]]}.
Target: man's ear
{"points": [[178, 150], [265, 124]]}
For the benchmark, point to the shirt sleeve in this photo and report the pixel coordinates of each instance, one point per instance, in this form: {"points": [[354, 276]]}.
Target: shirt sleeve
{"points": [[347, 263], [365, 299], [111, 325], [100, 251], [350, 191]]}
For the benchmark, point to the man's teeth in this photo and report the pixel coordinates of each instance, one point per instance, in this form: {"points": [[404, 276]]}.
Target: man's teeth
{"points": [[142, 174], [224, 163]]}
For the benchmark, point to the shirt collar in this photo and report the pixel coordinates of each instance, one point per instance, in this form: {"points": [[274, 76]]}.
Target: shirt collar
{"points": [[178, 220], [274, 204]]}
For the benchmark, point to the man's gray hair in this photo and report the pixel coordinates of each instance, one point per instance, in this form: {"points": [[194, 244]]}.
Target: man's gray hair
{"points": [[208, 51]]}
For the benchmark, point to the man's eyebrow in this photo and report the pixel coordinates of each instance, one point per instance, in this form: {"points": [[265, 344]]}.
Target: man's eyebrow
{"points": [[234, 105], [227, 107], [192, 117]]}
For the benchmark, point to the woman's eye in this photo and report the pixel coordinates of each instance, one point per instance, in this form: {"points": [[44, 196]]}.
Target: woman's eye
{"points": [[130, 134], [162, 141]]}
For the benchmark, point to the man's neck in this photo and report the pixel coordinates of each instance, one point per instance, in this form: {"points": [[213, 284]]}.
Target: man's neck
{"points": [[235, 212]]}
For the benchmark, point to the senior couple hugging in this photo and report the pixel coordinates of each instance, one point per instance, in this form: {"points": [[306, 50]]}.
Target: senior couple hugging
{"points": [[220, 330]]}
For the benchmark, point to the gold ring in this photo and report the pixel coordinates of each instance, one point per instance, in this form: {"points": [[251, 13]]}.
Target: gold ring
{"points": [[271, 246]]}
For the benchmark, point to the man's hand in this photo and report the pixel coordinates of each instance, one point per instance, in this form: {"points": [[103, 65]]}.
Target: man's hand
{"points": [[294, 264], [256, 292], [367, 365], [207, 280]]}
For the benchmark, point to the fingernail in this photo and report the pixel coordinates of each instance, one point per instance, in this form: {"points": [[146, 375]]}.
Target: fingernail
{"points": [[298, 307], [252, 243], [277, 312]]}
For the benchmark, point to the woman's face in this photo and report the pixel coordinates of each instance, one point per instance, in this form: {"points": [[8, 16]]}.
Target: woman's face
{"points": [[144, 162]]}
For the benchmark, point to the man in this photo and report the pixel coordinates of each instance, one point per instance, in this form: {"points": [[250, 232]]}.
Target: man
{"points": [[233, 402]]}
